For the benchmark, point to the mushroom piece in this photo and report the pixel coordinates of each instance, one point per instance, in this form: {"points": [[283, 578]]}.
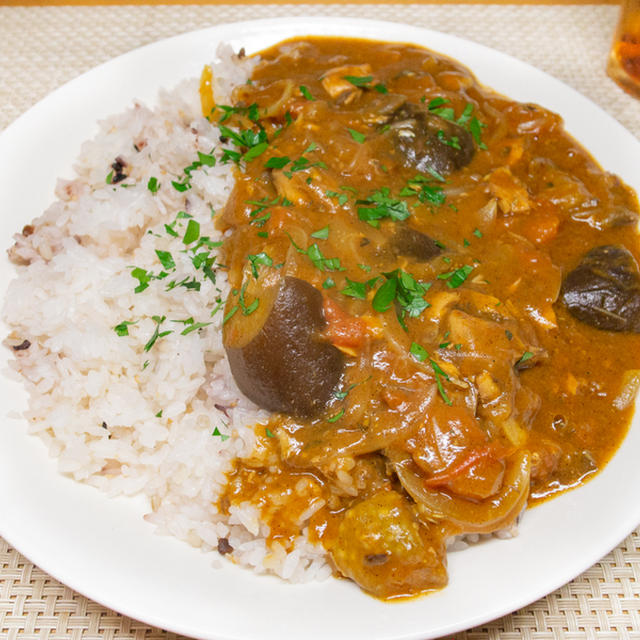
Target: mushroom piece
{"points": [[414, 244], [429, 142], [277, 355], [604, 290]]}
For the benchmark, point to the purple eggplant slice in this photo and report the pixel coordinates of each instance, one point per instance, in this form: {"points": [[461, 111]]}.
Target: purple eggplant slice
{"points": [[277, 355]]}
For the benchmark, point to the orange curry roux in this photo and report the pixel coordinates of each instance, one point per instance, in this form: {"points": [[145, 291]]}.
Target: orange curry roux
{"points": [[448, 417]]}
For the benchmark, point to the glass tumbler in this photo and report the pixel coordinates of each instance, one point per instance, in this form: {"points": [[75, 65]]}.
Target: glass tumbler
{"points": [[624, 58]]}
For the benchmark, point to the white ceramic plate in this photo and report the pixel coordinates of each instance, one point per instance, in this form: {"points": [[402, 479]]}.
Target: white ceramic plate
{"points": [[102, 548]]}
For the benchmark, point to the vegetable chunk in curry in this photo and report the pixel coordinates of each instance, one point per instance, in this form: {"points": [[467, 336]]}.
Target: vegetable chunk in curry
{"points": [[436, 293]]}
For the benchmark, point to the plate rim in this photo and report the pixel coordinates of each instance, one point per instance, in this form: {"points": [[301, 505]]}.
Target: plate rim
{"points": [[17, 126]]}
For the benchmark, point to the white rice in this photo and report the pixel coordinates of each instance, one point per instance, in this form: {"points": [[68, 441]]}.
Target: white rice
{"points": [[114, 416]]}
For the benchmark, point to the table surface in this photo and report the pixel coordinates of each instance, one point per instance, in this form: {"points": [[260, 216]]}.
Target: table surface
{"points": [[41, 47]]}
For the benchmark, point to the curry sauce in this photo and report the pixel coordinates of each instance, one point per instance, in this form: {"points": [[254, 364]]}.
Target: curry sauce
{"points": [[436, 293]]}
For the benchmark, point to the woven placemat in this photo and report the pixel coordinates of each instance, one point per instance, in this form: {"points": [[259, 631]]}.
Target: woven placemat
{"points": [[43, 47]]}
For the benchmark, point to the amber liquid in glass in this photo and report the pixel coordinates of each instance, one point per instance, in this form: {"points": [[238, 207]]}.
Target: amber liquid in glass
{"points": [[624, 59]]}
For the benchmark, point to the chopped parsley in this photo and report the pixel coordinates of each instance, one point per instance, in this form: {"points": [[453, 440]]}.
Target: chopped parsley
{"points": [[250, 144], [421, 354], [358, 81], [456, 278], [153, 185], [258, 259], [356, 289], [306, 93], [466, 119], [527, 355], [317, 257], [223, 437], [382, 205], [321, 234], [194, 326], [343, 198], [247, 309], [277, 162], [122, 329], [180, 186], [192, 233], [425, 190], [336, 417], [166, 259], [403, 289], [157, 334], [357, 136]]}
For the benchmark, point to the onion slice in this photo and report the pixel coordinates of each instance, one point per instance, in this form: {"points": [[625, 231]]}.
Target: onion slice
{"points": [[630, 386], [483, 516]]}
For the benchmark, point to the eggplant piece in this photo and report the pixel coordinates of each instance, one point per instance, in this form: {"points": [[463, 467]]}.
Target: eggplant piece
{"points": [[278, 357], [603, 291], [429, 142], [414, 244]]}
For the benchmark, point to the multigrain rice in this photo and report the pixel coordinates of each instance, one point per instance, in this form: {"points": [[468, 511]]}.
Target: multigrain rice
{"points": [[164, 420]]}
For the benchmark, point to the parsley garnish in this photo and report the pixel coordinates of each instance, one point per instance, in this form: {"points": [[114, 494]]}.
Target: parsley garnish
{"points": [[356, 289], [527, 355], [143, 277], [404, 289], [180, 186], [316, 256], [466, 119], [336, 417], [423, 187], [357, 136], [421, 354], [230, 314], [192, 233], [306, 93], [222, 436], [153, 185], [342, 197], [321, 234], [277, 162], [358, 81], [259, 258], [122, 329], [456, 278], [250, 143], [166, 259], [157, 333], [194, 326], [384, 207]]}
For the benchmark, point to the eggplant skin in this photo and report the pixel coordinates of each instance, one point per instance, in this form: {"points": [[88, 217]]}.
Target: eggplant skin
{"points": [[286, 366], [603, 291], [428, 142]]}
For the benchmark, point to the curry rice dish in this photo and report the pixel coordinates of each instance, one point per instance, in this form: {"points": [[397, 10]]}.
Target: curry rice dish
{"points": [[427, 294]]}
